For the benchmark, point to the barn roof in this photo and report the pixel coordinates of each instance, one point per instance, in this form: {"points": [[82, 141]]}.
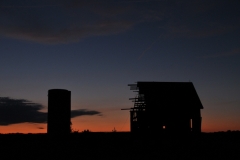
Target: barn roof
{"points": [[169, 94]]}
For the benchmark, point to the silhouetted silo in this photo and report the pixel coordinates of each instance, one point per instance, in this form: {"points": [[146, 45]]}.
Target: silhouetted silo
{"points": [[59, 111]]}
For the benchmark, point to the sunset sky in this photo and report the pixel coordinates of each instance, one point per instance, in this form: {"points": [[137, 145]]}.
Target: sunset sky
{"points": [[96, 48]]}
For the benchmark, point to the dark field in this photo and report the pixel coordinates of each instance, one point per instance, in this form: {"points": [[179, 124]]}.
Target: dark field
{"points": [[121, 146]]}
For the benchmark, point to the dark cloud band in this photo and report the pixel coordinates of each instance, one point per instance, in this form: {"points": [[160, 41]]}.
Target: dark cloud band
{"points": [[13, 111]]}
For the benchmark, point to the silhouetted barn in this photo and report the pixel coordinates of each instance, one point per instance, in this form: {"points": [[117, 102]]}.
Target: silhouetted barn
{"points": [[59, 111], [165, 106]]}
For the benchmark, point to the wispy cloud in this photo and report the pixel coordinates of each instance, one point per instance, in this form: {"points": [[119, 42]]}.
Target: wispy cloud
{"points": [[148, 48], [37, 6], [13, 111], [65, 21], [64, 35], [198, 32], [224, 54]]}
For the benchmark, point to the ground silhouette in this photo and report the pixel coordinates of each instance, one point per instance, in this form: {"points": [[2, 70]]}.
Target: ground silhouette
{"points": [[120, 145]]}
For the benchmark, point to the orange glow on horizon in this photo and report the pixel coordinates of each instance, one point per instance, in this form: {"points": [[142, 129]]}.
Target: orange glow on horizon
{"points": [[23, 128], [105, 123], [114, 119], [28, 128]]}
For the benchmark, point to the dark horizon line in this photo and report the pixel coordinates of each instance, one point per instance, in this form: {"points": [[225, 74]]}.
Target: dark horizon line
{"points": [[79, 132]]}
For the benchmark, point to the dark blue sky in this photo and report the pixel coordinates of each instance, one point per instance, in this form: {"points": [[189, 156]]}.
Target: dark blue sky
{"points": [[95, 49]]}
